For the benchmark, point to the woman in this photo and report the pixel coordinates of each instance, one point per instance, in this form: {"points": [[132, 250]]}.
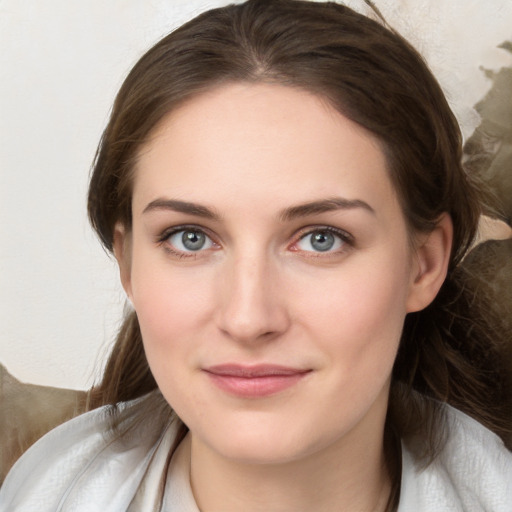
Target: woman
{"points": [[280, 182]]}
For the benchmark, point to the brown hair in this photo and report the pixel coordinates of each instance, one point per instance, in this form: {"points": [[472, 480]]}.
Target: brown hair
{"points": [[449, 352]]}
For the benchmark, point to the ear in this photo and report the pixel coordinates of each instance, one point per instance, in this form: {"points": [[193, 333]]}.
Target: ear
{"points": [[122, 252], [430, 265]]}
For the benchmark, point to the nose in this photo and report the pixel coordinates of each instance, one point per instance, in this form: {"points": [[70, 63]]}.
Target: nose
{"points": [[252, 306]]}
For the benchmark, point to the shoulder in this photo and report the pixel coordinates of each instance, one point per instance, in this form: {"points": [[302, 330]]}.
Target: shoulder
{"points": [[80, 466], [472, 473]]}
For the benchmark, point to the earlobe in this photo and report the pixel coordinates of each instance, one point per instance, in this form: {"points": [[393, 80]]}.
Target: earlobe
{"points": [[122, 253], [430, 267]]}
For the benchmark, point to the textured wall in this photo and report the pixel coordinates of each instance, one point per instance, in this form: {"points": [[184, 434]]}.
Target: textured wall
{"points": [[61, 64]]}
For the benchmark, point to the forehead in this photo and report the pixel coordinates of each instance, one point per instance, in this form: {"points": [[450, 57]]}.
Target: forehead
{"points": [[241, 140]]}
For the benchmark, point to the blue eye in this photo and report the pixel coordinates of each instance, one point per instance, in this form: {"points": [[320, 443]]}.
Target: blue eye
{"points": [[321, 240], [190, 240]]}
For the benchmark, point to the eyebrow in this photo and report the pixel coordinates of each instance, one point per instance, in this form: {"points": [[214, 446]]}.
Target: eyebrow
{"points": [[182, 207], [322, 206], [288, 214]]}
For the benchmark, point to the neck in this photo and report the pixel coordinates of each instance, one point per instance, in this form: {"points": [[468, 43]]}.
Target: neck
{"points": [[349, 475]]}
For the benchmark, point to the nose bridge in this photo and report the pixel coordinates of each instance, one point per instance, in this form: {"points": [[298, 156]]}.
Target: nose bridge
{"points": [[251, 307]]}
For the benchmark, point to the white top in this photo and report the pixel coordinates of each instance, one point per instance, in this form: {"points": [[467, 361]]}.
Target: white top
{"points": [[77, 468]]}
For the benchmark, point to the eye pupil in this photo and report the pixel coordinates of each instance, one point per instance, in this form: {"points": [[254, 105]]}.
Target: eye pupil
{"points": [[193, 240], [322, 241]]}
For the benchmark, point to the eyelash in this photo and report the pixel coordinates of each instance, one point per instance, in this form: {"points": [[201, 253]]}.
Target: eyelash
{"points": [[163, 238], [345, 237]]}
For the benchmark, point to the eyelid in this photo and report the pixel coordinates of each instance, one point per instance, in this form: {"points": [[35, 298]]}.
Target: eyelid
{"points": [[164, 236], [345, 237]]}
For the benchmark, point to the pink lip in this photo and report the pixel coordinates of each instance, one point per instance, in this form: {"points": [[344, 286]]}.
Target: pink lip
{"points": [[254, 381]]}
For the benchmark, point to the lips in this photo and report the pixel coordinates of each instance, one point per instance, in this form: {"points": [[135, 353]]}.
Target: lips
{"points": [[254, 381]]}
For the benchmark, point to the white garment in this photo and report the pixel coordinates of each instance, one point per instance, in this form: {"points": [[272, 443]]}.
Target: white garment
{"points": [[77, 468], [472, 474]]}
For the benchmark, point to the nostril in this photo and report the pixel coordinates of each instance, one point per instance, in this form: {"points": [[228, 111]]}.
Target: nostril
{"points": [[252, 330]]}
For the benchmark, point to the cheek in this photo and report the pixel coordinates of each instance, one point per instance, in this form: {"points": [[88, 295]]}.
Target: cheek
{"points": [[172, 307], [358, 314], [172, 312]]}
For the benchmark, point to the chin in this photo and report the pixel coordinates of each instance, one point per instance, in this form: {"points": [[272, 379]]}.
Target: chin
{"points": [[260, 450], [266, 441]]}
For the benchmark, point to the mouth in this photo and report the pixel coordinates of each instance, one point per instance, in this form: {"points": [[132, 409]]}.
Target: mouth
{"points": [[254, 381]]}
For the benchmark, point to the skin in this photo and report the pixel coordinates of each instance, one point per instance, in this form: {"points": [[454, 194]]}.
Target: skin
{"points": [[260, 292]]}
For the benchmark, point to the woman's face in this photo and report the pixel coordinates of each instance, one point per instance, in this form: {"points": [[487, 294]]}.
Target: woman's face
{"points": [[271, 270]]}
